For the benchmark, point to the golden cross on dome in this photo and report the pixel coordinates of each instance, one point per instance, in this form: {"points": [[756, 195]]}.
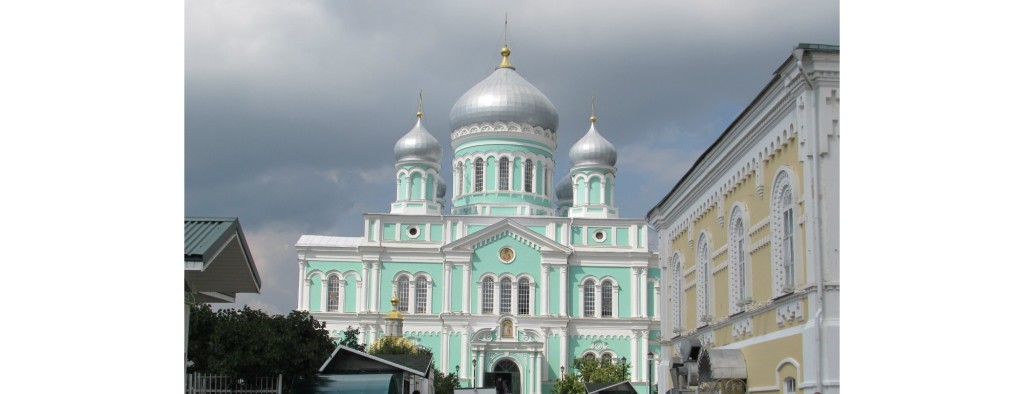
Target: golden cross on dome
{"points": [[419, 109], [593, 115]]}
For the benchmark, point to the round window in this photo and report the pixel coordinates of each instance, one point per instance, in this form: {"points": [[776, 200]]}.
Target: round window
{"points": [[506, 254], [599, 236], [413, 231]]}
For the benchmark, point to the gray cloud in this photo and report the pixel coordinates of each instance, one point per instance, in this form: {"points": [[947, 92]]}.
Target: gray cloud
{"points": [[292, 108]]}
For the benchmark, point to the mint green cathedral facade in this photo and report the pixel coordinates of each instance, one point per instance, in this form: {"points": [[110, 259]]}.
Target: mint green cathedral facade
{"points": [[522, 275]]}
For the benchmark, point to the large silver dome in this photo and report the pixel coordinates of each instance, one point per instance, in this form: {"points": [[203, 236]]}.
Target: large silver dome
{"points": [[563, 191], [504, 96], [593, 150], [418, 145]]}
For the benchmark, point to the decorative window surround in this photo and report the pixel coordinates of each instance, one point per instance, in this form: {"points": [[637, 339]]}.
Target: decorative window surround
{"points": [[789, 312], [742, 328]]}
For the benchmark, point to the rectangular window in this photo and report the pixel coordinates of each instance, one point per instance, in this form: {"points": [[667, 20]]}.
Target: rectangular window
{"points": [[506, 295], [529, 176], [478, 173], [606, 300], [332, 295], [488, 297], [524, 297], [588, 299], [503, 174], [421, 295]]}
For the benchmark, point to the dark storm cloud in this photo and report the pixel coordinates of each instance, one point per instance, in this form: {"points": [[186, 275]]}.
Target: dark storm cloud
{"points": [[292, 108]]}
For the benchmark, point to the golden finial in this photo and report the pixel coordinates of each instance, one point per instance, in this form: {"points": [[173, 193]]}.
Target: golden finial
{"points": [[419, 109], [593, 115], [394, 301], [504, 49]]}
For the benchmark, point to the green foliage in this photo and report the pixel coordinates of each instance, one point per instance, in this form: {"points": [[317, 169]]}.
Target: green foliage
{"points": [[445, 383], [569, 384], [595, 370], [397, 345], [590, 370], [248, 343], [350, 339]]}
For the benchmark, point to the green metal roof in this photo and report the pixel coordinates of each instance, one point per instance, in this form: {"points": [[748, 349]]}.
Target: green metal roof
{"points": [[217, 258]]}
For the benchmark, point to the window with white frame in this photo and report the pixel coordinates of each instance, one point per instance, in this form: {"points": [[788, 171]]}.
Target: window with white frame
{"points": [[458, 179], [606, 357], [606, 298], [790, 384], [503, 174], [403, 293], [506, 295], [783, 237], [478, 175], [704, 275], [421, 295], [524, 296], [333, 286], [528, 173], [487, 298], [739, 266], [588, 298]]}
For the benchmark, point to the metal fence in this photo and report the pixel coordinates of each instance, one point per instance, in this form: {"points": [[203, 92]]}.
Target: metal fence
{"points": [[196, 383]]}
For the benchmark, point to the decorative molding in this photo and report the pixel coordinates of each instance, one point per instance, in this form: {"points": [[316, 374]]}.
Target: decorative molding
{"points": [[760, 243], [789, 312], [742, 328], [503, 234], [502, 127]]}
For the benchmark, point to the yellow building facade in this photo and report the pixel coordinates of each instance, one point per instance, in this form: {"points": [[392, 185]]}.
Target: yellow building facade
{"points": [[749, 244]]}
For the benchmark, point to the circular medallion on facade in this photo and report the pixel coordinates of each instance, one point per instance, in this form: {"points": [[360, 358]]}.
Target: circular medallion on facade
{"points": [[506, 254]]}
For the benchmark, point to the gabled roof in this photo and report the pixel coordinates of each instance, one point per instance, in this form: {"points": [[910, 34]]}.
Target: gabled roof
{"points": [[347, 360], [528, 236], [217, 260], [610, 387]]}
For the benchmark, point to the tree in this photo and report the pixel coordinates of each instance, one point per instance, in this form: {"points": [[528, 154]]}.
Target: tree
{"points": [[590, 370], [350, 339], [445, 383], [397, 345], [247, 343]]}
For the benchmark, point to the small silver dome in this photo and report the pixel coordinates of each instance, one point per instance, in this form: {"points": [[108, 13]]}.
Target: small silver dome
{"points": [[418, 145], [442, 188], [504, 96], [563, 191], [593, 150]]}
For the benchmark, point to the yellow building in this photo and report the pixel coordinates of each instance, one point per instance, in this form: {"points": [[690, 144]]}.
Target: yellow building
{"points": [[749, 244]]}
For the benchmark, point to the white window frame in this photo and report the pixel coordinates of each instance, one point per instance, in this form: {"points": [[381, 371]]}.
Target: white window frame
{"points": [[528, 176], [483, 287], [740, 286], [503, 297], [784, 282], [503, 174], [333, 285], [584, 293], [479, 168], [519, 297], [705, 281]]}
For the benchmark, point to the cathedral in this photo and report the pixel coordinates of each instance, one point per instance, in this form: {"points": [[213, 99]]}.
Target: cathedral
{"points": [[522, 275]]}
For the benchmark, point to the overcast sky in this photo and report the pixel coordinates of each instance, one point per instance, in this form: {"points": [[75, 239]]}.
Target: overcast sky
{"points": [[292, 108]]}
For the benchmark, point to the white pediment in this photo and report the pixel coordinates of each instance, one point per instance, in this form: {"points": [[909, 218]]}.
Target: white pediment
{"points": [[502, 229]]}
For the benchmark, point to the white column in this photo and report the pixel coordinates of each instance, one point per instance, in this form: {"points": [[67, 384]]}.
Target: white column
{"points": [[643, 292], [544, 355], [634, 293], [445, 331], [543, 294], [466, 363], [535, 379], [303, 287], [643, 351], [633, 345], [359, 295], [323, 293], [376, 286], [563, 344], [305, 295], [467, 294], [563, 298], [364, 288], [447, 289], [657, 300]]}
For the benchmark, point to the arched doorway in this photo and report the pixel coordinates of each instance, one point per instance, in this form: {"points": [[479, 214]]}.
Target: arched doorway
{"points": [[505, 377]]}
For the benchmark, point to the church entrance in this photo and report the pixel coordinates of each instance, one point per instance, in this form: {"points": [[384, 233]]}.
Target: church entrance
{"points": [[505, 379]]}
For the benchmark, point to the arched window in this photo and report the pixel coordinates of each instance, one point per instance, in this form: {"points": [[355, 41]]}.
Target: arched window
{"points": [[421, 295], [478, 174], [506, 295], [332, 294], [524, 296], [677, 292], [403, 293], [606, 298], [606, 358], [528, 170], [588, 298], [503, 174], [738, 265], [590, 356], [704, 293], [783, 235], [488, 296]]}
